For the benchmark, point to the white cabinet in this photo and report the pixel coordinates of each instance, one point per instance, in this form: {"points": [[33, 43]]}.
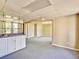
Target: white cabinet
{"points": [[23, 42], [11, 44], [18, 42], [3, 46]]}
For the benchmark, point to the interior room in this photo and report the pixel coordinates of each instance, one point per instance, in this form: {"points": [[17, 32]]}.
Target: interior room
{"points": [[39, 29]]}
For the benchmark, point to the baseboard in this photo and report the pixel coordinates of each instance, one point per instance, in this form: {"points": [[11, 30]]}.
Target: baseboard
{"points": [[66, 47], [39, 36]]}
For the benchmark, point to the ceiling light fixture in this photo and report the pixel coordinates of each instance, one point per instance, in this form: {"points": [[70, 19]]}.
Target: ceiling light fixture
{"points": [[43, 19], [47, 22]]}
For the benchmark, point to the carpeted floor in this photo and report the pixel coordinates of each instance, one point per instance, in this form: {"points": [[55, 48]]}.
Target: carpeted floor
{"points": [[40, 50]]}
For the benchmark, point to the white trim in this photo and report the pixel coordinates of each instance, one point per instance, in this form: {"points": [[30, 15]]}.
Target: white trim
{"points": [[66, 47]]}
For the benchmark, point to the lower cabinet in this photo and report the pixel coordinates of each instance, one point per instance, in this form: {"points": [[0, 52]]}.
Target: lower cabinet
{"points": [[3, 46], [11, 44], [23, 42], [18, 42]]}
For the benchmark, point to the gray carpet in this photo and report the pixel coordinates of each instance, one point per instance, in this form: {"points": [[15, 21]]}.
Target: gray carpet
{"points": [[42, 50]]}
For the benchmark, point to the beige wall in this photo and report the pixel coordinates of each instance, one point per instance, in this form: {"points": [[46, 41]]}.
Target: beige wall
{"points": [[39, 30], [64, 31], [47, 29], [30, 30], [77, 33]]}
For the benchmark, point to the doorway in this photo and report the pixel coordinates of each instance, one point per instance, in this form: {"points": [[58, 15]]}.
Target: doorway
{"points": [[41, 31]]}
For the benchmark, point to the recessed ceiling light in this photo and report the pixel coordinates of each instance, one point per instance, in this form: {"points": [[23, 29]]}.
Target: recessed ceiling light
{"points": [[43, 19], [47, 22]]}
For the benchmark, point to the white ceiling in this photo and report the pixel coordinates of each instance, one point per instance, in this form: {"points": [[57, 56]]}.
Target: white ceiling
{"points": [[56, 9]]}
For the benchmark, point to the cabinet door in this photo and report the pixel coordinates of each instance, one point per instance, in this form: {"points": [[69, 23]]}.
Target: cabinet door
{"points": [[3, 46], [23, 42], [18, 42], [11, 44]]}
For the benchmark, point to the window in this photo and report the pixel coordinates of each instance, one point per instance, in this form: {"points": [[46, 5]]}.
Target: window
{"points": [[15, 27], [8, 26], [2, 31], [1, 27], [20, 27]]}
